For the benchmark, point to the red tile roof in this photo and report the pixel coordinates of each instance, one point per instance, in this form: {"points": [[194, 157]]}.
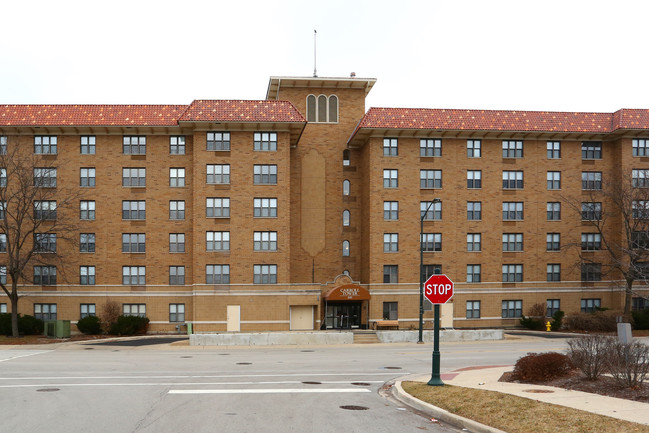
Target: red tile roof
{"points": [[242, 111]]}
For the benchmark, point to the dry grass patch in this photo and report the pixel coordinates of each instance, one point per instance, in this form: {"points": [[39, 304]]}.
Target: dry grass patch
{"points": [[516, 414]]}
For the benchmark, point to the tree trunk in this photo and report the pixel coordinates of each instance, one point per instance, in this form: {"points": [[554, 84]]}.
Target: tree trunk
{"points": [[628, 296], [14, 315]]}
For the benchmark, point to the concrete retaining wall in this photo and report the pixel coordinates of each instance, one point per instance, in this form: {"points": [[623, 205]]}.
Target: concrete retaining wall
{"points": [[444, 336]]}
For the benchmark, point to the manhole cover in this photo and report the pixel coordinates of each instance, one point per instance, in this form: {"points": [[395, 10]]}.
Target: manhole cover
{"points": [[538, 391], [306, 351], [230, 413], [88, 348], [48, 390], [354, 407], [244, 363], [223, 354], [360, 383], [186, 356], [312, 383], [392, 368]]}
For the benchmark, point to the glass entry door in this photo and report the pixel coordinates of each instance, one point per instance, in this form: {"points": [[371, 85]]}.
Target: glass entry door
{"points": [[343, 315]]}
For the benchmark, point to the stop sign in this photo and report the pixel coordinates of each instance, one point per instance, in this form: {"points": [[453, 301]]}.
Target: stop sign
{"points": [[438, 289]]}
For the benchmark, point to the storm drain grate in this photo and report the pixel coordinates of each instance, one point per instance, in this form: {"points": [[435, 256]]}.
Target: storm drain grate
{"points": [[244, 363], [352, 407], [88, 348], [360, 383], [223, 354], [48, 390], [392, 368], [312, 383]]}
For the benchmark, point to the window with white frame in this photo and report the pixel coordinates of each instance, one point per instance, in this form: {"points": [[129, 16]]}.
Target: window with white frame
{"points": [[87, 275], [217, 207], [87, 242], [553, 241], [553, 209], [265, 141], [3, 177], [3, 280], [640, 209], [430, 147], [138, 310], [177, 145], [264, 274], [86, 310], [45, 311], [591, 272], [554, 149], [512, 210], [512, 242], [554, 179], [3, 210], [553, 272], [134, 176], [45, 242], [217, 274], [474, 179], [176, 242], [473, 273], [43, 209], [390, 147], [390, 311], [472, 309], [591, 180], [265, 241], [218, 141], [346, 187], [3, 243], [346, 158], [45, 275], [512, 179], [346, 248], [87, 177], [133, 242], [473, 148], [640, 239], [176, 275], [265, 174], [390, 178], [390, 210], [218, 174], [88, 145], [322, 109], [428, 270], [134, 275], [640, 178], [265, 207], [591, 241], [474, 242], [3, 144], [591, 150], [176, 209], [432, 242], [512, 273], [346, 218], [176, 177], [390, 274], [45, 144], [512, 148], [218, 241], [390, 242], [133, 209], [176, 313], [473, 210], [591, 211], [134, 145], [87, 209], [512, 309], [430, 179], [434, 210], [44, 177], [640, 147], [590, 305]]}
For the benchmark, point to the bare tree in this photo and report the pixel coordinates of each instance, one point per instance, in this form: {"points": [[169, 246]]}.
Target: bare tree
{"points": [[618, 211], [32, 220]]}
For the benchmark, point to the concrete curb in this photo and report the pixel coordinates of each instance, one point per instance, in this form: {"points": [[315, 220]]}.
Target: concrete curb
{"points": [[441, 414]]}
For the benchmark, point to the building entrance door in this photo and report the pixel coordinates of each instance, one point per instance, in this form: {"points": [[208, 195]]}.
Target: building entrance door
{"points": [[343, 315]]}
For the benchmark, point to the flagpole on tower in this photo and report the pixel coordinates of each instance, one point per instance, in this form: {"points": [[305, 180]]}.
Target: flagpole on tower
{"points": [[315, 71]]}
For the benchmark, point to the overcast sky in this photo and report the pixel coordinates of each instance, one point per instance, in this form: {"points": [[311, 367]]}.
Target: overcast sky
{"points": [[567, 55]]}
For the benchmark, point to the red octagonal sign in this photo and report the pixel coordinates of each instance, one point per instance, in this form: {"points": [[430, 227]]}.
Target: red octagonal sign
{"points": [[438, 289]]}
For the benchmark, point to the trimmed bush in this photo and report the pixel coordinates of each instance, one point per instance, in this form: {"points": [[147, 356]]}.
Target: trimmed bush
{"points": [[599, 321], [533, 323], [539, 367], [589, 353], [30, 325], [628, 363], [130, 325], [641, 319], [557, 320], [90, 325]]}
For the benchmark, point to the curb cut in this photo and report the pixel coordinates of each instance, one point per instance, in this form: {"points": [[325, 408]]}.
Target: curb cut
{"points": [[441, 414]]}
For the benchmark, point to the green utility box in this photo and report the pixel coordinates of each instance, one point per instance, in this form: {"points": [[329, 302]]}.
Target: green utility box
{"points": [[57, 328], [189, 328]]}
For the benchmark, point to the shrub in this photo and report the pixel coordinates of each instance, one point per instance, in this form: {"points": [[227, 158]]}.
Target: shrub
{"points": [[557, 320], [537, 310], [130, 325], [589, 353], [599, 321], [538, 367], [641, 319], [109, 314], [532, 323], [628, 363], [30, 325], [90, 325], [5, 324]]}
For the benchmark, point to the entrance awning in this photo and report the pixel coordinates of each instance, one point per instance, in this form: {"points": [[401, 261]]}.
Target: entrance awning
{"points": [[347, 292]]}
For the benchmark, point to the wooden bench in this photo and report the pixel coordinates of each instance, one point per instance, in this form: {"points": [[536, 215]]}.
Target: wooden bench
{"points": [[386, 324]]}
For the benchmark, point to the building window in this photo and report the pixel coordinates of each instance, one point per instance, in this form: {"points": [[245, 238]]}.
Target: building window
{"points": [[265, 174], [432, 242], [473, 273], [264, 274], [176, 312], [474, 148], [390, 274], [217, 274], [346, 248], [553, 241], [45, 144], [217, 207], [640, 209], [87, 177], [44, 177], [3, 147], [45, 311], [87, 209], [87, 276], [176, 242], [346, 187], [176, 275], [591, 211], [346, 161], [133, 210], [346, 218], [3, 243], [554, 149], [553, 272], [637, 304], [591, 241], [554, 179], [133, 242], [43, 210], [591, 150], [218, 141], [134, 275], [265, 241], [134, 177], [218, 174], [512, 179], [390, 210], [430, 147], [390, 147], [390, 311], [590, 305], [265, 207], [512, 309], [512, 273], [474, 210], [640, 178], [138, 310], [45, 242], [3, 210], [430, 179], [553, 209], [87, 242], [512, 242], [390, 178], [177, 145], [434, 210], [591, 272], [428, 270], [552, 306], [639, 240], [177, 209], [323, 109], [512, 211], [134, 145], [3, 308], [512, 148], [473, 242], [3, 178], [88, 145], [45, 275], [176, 177], [87, 310], [390, 242], [474, 179], [591, 180], [472, 309], [640, 147], [265, 141], [218, 241]]}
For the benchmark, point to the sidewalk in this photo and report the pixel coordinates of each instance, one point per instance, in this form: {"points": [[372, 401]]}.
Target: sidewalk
{"points": [[487, 378]]}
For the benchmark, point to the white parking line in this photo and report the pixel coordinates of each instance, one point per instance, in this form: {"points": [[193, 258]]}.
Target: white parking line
{"points": [[309, 375], [46, 385], [266, 391], [10, 356]]}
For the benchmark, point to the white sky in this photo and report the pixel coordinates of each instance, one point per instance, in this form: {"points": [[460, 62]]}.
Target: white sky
{"points": [[563, 55]]}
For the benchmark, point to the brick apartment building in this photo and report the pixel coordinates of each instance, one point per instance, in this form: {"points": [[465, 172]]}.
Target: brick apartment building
{"points": [[302, 211]]}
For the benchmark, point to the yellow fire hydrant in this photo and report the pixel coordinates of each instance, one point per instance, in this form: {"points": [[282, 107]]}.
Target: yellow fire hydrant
{"points": [[548, 326]]}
